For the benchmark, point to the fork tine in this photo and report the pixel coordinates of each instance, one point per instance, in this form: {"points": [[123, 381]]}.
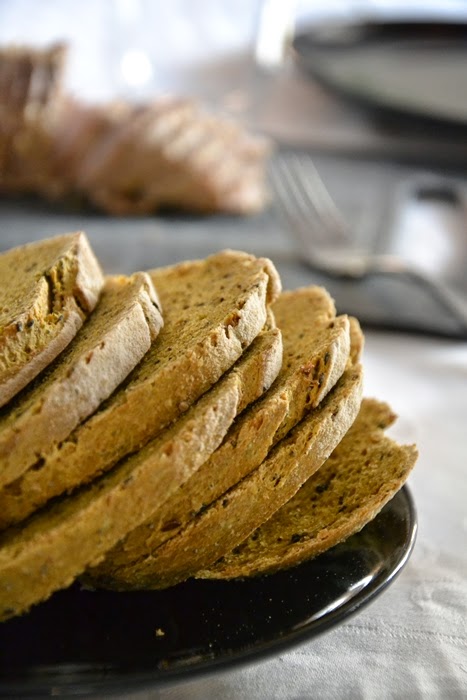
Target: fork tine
{"points": [[300, 192], [303, 218], [315, 191]]}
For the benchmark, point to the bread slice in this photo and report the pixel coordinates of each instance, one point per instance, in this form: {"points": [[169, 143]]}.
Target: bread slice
{"points": [[363, 473], [115, 338], [59, 542], [237, 513], [316, 351], [213, 309], [48, 289]]}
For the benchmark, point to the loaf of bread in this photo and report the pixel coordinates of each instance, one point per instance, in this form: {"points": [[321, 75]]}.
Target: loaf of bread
{"points": [[224, 440], [316, 352], [172, 154], [48, 290]]}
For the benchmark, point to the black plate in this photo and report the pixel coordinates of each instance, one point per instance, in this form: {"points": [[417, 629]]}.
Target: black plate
{"points": [[80, 642]]}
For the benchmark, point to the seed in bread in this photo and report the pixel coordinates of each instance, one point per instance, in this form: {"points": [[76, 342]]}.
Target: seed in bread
{"points": [[48, 289], [119, 332], [363, 473], [230, 519], [59, 542], [316, 351]]}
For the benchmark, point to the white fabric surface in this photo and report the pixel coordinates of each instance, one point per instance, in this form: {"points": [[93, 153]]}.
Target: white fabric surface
{"points": [[412, 641]]}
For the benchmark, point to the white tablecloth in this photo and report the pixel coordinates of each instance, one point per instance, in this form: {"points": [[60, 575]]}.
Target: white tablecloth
{"points": [[412, 641]]}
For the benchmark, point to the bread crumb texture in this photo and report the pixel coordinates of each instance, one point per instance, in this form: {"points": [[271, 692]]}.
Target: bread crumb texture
{"points": [[48, 289], [109, 345], [362, 474]]}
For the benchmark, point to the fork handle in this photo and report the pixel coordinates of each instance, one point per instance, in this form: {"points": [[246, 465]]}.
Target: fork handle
{"points": [[441, 294]]}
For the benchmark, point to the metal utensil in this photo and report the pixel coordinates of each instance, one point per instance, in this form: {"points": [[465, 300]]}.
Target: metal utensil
{"points": [[325, 241]]}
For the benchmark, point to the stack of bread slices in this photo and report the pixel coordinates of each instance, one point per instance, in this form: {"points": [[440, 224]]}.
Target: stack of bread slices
{"points": [[188, 421]]}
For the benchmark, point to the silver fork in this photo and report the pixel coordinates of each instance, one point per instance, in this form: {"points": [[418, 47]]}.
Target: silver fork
{"points": [[325, 240]]}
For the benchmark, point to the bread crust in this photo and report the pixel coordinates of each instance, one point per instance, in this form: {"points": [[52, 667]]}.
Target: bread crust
{"points": [[61, 281], [111, 343]]}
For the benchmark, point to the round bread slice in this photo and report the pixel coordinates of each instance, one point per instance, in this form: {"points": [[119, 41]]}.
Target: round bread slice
{"points": [[58, 543], [363, 473], [213, 309], [111, 343], [230, 519], [48, 289], [316, 351]]}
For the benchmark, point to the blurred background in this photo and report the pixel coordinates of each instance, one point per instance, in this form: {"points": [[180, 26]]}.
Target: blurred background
{"points": [[374, 92]]}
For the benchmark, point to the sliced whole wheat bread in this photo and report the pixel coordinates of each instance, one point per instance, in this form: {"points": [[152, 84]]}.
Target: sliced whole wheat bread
{"points": [[111, 343], [213, 309], [48, 289], [316, 351], [59, 542], [237, 513], [363, 473], [170, 153]]}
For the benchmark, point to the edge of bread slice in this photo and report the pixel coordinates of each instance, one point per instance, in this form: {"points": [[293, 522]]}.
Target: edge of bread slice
{"points": [[115, 338], [49, 288], [56, 544], [363, 473], [316, 352], [201, 339], [237, 513]]}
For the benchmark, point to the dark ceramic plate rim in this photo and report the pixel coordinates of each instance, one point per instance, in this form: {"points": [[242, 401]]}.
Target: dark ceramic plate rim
{"points": [[41, 681], [313, 60]]}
